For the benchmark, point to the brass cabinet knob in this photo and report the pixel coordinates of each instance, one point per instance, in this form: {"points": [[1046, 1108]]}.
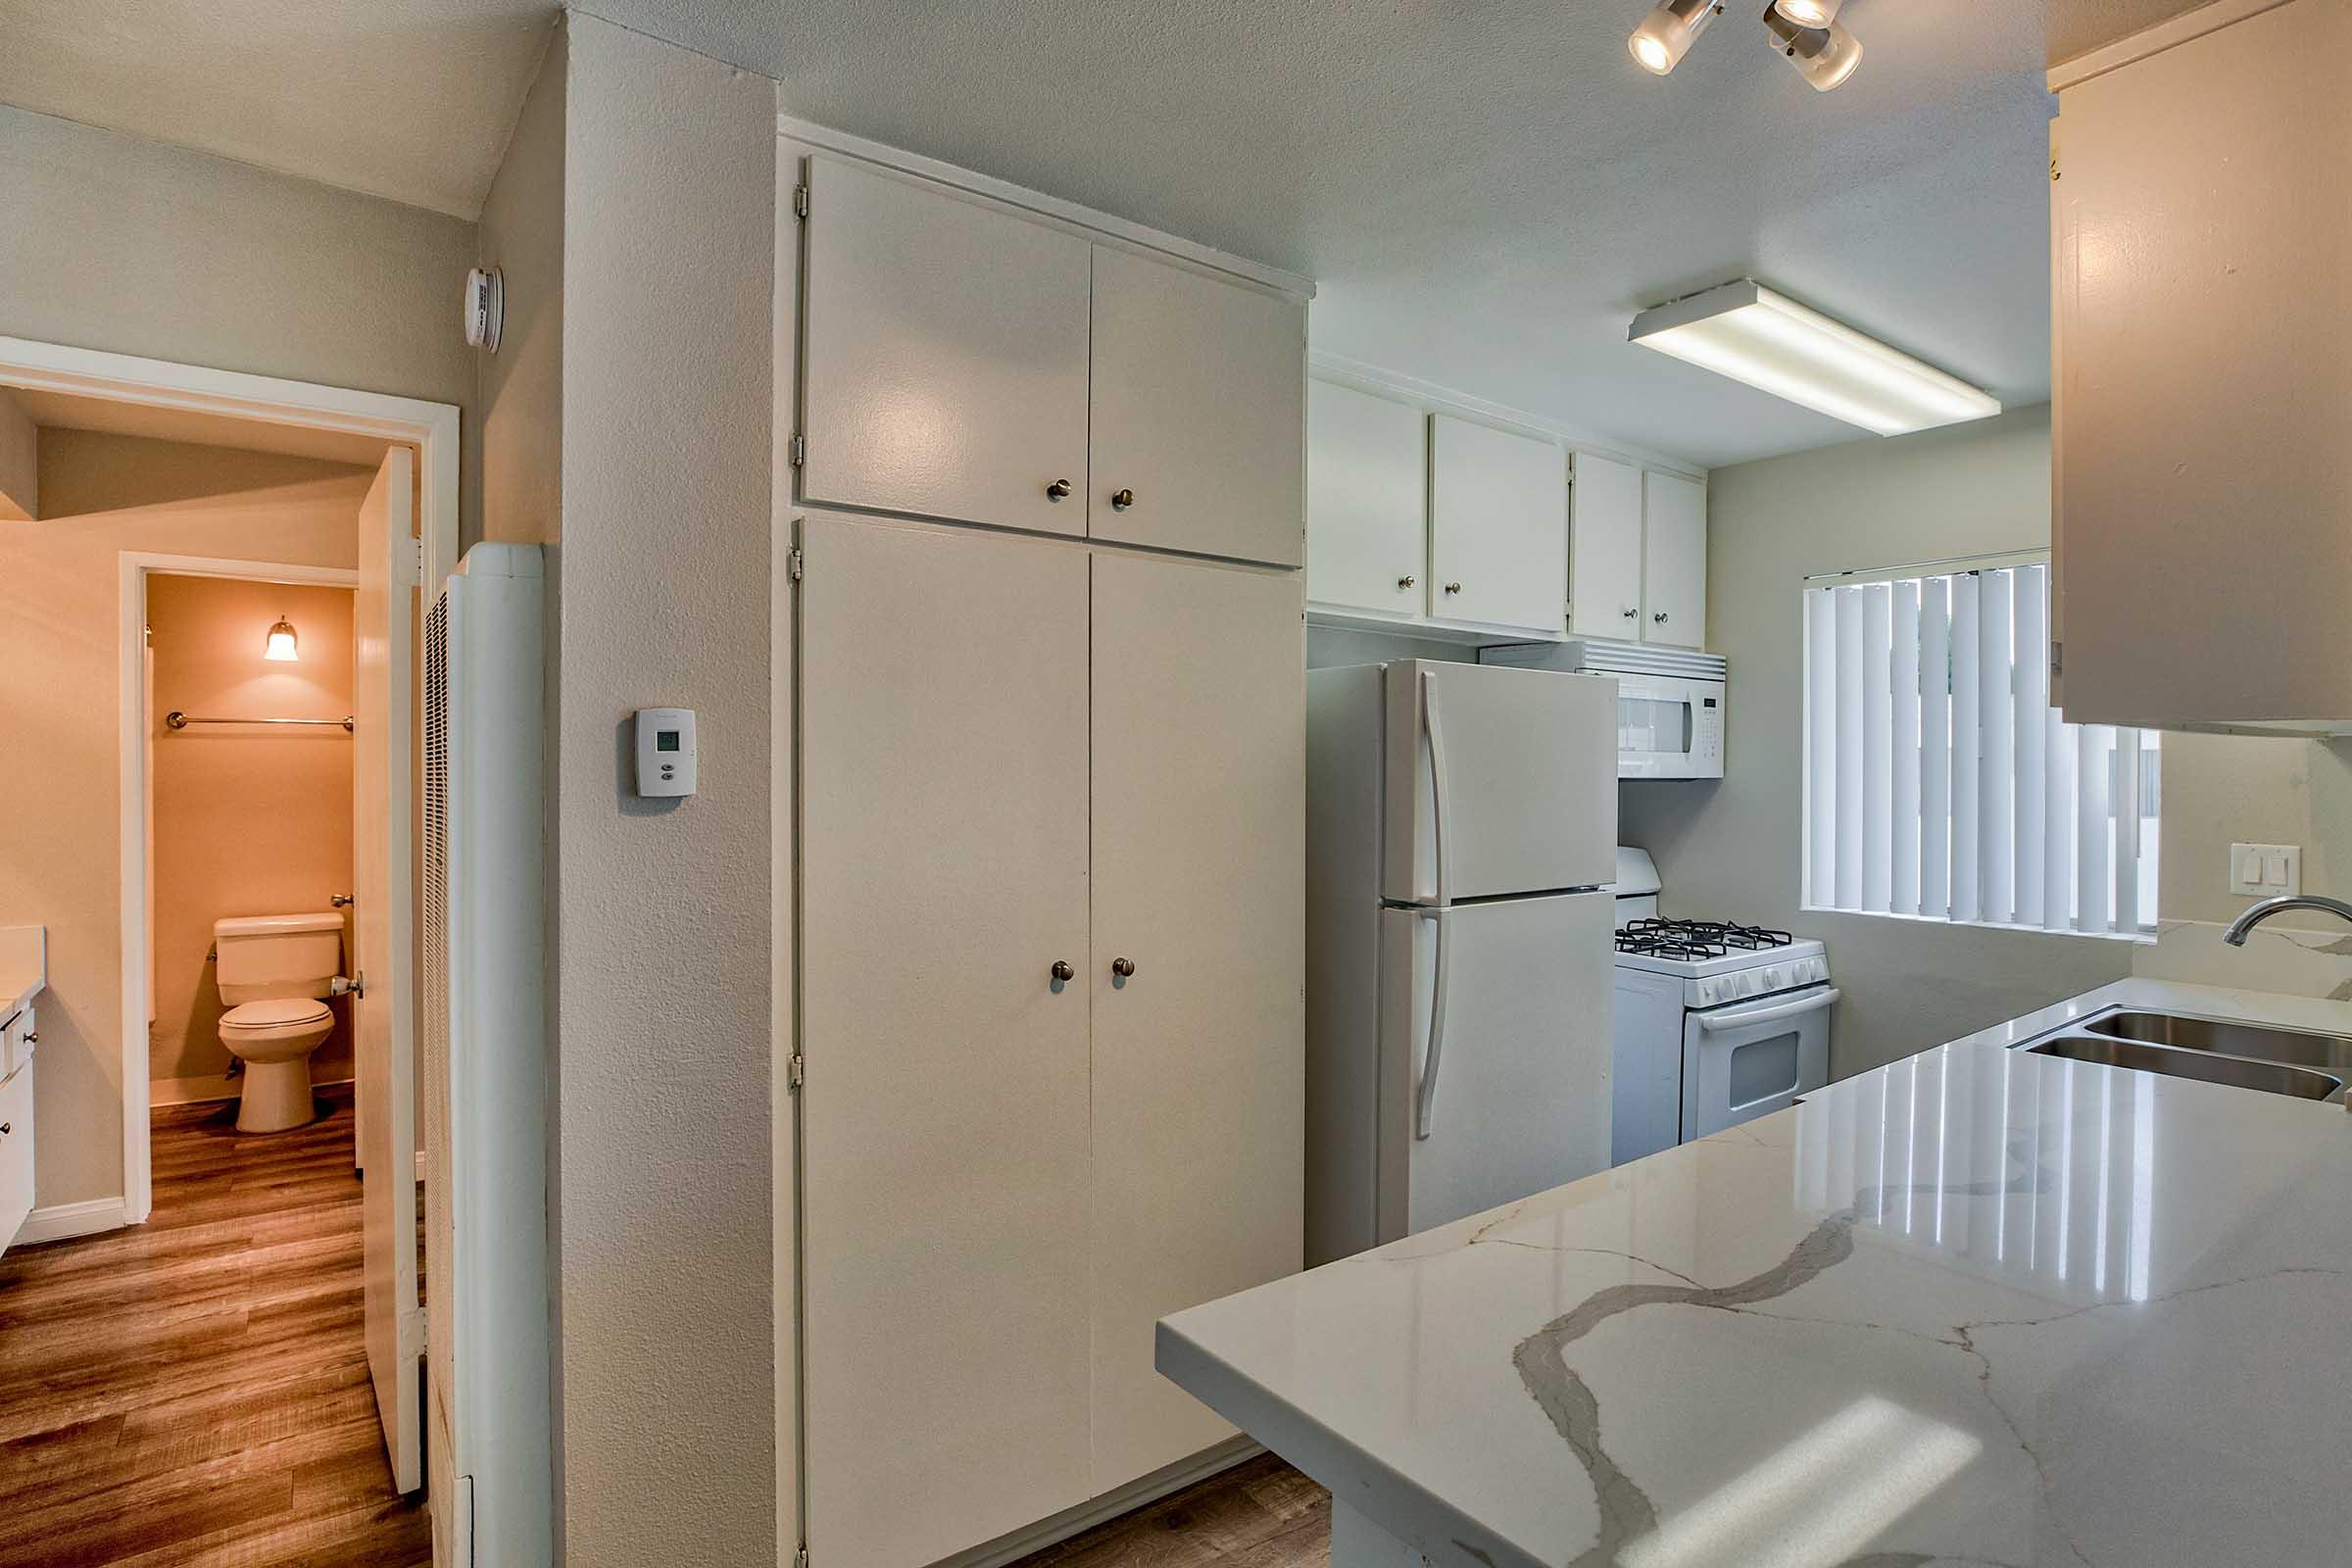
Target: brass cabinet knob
{"points": [[1062, 969], [1406, 583], [1454, 587], [1121, 500], [1058, 490], [1122, 967]]}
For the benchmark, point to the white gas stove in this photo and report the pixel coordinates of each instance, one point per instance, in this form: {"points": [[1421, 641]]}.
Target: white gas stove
{"points": [[1717, 1022]]}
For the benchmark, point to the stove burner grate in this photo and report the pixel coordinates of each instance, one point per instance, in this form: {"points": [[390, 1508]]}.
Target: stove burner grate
{"points": [[1697, 939]]}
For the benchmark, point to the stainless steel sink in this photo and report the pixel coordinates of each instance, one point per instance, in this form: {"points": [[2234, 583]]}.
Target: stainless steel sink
{"points": [[2199, 1063], [2295, 1047]]}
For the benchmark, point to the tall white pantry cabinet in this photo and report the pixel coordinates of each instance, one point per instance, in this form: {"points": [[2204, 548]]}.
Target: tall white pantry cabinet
{"points": [[1048, 661]]}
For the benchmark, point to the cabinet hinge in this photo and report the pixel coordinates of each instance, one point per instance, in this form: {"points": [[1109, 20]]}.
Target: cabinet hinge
{"points": [[800, 450], [800, 209], [2057, 658], [796, 1074], [793, 562]]}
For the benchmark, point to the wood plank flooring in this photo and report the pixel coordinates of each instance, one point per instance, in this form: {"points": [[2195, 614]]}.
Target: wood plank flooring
{"points": [[194, 1391], [1259, 1514]]}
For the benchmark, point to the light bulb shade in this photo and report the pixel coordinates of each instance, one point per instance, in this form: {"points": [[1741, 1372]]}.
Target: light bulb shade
{"points": [[1809, 13], [1824, 56], [1749, 333], [280, 646], [1668, 31]]}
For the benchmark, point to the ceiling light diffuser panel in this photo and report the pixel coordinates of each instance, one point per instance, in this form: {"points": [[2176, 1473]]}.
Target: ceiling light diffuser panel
{"points": [[1767, 340]]}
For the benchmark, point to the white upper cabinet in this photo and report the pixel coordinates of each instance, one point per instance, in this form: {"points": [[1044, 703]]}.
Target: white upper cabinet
{"points": [[1674, 560], [945, 354], [1367, 502], [1198, 411], [1498, 527], [1604, 547], [2202, 532]]}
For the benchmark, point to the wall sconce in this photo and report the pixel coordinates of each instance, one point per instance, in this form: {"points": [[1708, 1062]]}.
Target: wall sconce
{"points": [[281, 647]]}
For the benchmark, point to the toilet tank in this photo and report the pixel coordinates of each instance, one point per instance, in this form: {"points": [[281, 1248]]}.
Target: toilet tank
{"points": [[266, 955]]}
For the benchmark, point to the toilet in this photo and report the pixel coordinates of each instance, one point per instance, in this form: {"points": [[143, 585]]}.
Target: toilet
{"points": [[274, 973]]}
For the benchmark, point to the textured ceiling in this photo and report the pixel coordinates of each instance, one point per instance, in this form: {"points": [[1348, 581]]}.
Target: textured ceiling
{"points": [[1485, 190], [2078, 27]]}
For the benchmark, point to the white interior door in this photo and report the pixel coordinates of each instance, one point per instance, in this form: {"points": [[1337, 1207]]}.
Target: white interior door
{"points": [[945, 354], [1495, 1048], [1604, 547], [383, 1010], [1198, 410], [1500, 780], [1367, 501], [1200, 1071], [944, 1137], [1497, 527], [1674, 560]]}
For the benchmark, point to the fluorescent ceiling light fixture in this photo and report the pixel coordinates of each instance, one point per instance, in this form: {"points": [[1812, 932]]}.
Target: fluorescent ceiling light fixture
{"points": [[279, 648], [1668, 31], [1749, 333]]}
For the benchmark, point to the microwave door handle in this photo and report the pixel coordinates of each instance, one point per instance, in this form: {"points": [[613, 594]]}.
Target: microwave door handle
{"points": [[1442, 825], [1717, 1022], [1426, 1102]]}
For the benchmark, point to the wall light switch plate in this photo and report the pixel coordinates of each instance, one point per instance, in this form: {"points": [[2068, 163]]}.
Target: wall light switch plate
{"points": [[2266, 871]]}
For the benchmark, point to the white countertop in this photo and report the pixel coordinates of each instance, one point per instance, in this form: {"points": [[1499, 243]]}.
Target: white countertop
{"points": [[24, 966], [1980, 1306]]}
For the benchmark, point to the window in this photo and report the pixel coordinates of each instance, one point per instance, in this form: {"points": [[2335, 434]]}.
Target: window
{"points": [[1940, 783]]}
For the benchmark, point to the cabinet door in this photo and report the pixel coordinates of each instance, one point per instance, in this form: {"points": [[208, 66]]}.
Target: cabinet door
{"points": [[1199, 418], [1674, 560], [1199, 779], [943, 1122], [1604, 547], [945, 347], [15, 1151], [1498, 527], [1367, 502]]}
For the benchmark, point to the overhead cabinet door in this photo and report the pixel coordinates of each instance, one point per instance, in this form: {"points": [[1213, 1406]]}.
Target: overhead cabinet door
{"points": [[1674, 560], [1198, 411], [1200, 775], [945, 347], [1367, 502], [945, 1117], [1605, 542], [1498, 527]]}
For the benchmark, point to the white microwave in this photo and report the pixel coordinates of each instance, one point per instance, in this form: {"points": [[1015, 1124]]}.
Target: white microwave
{"points": [[1670, 702]]}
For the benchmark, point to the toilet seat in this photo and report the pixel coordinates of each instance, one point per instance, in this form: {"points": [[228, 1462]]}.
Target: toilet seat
{"points": [[276, 1012]]}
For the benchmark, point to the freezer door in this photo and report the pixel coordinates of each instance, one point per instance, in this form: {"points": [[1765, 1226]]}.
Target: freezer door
{"points": [[1499, 781], [1495, 1054]]}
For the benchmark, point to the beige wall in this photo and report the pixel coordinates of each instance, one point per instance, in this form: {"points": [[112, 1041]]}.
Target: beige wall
{"points": [[137, 248], [521, 385], [248, 821], [20, 463], [659, 924], [1731, 849], [60, 836]]}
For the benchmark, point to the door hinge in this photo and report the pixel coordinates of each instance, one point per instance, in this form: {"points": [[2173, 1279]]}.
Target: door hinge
{"points": [[794, 563], [800, 1558], [795, 1073], [2057, 658], [800, 450], [416, 563], [799, 201]]}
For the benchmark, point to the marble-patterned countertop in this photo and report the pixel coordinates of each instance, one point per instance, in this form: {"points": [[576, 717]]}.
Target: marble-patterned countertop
{"points": [[24, 966], [1980, 1306]]}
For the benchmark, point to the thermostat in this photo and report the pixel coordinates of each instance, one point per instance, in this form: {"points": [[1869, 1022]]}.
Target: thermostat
{"points": [[666, 751]]}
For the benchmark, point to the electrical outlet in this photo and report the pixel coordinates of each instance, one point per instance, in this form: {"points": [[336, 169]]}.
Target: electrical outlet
{"points": [[2266, 871]]}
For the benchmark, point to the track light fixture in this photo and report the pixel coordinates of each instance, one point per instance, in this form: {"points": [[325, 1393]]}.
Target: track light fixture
{"points": [[1805, 32]]}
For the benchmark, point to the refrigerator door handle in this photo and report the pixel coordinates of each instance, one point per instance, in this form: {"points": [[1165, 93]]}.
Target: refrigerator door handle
{"points": [[1425, 1102], [1438, 794]]}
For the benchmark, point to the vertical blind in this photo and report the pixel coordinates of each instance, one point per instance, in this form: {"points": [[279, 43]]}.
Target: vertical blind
{"points": [[1940, 783]]}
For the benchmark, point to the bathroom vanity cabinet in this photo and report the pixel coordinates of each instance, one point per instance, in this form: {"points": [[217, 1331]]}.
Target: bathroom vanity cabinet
{"points": [[23, 972]]}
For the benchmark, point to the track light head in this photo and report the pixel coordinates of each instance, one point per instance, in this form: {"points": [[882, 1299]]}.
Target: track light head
{"points": [[1824, 56], [1666, 35]]}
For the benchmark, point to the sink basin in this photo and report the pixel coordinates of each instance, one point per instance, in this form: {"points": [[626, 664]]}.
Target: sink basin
{"points": [[2295, 1047], [2203, 1063]]}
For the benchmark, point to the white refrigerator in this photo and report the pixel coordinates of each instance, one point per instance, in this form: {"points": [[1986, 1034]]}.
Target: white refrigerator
{"points": [[1461, 830]]}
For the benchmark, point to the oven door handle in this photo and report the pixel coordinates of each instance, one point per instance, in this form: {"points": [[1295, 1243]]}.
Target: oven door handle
{"points": [[1717, 1022]]}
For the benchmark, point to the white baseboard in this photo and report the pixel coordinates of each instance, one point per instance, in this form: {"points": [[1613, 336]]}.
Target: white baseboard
{"points": [[213, 1088], [62, 1220], [1134, 1495]]}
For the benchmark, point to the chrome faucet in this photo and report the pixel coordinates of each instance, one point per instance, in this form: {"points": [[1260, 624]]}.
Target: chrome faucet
{"points": [[2236, 936]]}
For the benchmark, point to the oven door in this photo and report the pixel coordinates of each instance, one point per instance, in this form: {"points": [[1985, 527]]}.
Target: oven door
{"points": [[1750, 1058], [1669, 728]]}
